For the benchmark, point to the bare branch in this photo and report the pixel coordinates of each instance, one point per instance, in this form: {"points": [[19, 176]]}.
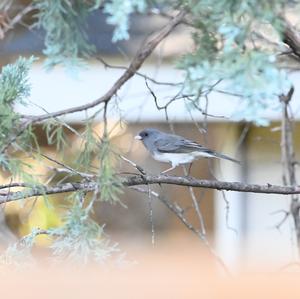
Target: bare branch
{"points": [[146, 77], [137, 167], [72, 172], [149, 180], [11, 23], [292, 38], [42, 190], [13, 185], [211, 184], [196, 207], [288, 160]]}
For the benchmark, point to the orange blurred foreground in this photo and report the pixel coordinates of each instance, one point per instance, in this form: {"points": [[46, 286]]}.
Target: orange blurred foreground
{"points": [[155, 275]]}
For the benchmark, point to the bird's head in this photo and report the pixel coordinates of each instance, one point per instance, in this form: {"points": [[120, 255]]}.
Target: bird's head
{"points": [[146, 134]]}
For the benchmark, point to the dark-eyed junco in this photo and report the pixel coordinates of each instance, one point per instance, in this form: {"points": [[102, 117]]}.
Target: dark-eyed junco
{"points": [[175, 149]]}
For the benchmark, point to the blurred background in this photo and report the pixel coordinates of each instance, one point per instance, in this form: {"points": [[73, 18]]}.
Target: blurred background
{"points": [[241, 226]]}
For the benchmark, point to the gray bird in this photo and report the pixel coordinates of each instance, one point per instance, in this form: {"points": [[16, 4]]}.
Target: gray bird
{"points": [[175, 149]]}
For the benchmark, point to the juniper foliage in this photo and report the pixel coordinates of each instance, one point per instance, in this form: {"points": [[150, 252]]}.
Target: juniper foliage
{"points": [[64, 23]]}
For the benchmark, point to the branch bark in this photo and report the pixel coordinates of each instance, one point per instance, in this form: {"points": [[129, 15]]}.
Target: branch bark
{"points": [[292, 38], [210, 184], [9, 24], [137, 180], [289, 161]]}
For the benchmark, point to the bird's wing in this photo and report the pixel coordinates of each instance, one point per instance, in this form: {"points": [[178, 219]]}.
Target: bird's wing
{"points": [[174, 144]]}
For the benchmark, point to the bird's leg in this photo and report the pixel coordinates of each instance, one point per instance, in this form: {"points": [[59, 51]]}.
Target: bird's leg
{"points": [[169, 169], [190, 167]]}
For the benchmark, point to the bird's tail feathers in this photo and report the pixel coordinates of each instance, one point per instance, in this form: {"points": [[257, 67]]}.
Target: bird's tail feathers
{"points": [[221, 156]]}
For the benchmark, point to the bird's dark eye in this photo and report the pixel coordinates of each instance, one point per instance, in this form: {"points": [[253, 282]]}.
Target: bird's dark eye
{"points": [[146, 134]]}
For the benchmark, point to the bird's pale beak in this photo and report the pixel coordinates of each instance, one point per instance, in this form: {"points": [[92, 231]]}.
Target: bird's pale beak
{"points": [[138, 137]]}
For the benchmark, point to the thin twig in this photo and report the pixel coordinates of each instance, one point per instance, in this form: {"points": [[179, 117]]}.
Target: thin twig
{"points": [[197, 208], [151, 215], [179, 213], [137, 167], [146, 77]]}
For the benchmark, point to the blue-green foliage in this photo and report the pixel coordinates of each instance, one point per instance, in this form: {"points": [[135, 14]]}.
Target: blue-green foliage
{"points": [[81, 239], [19, 254], [252, 75], [119, 12], [14, 85], [102, 151], [64, 22], [110, 183], [224, 52], [14, 88]]}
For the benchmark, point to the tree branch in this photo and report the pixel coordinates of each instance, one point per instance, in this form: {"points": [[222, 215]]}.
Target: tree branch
{"points": [[292, 38], [288, 159], [11, 23], [146, 180], [42, 190], [146, 77], [210, 184]]}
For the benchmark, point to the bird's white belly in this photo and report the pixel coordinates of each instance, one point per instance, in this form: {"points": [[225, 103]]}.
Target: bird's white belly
{"points": [[176, 159]]}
